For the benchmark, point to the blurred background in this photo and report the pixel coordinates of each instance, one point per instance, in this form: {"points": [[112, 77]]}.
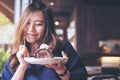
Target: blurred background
{"points": [[92, 27]]}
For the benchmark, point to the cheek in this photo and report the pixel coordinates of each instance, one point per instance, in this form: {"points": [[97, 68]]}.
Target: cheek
{"points": [[40, 31], [24, 31]]}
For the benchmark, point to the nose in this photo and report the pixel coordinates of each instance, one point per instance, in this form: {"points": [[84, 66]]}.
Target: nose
{"points": [[31, 27]]}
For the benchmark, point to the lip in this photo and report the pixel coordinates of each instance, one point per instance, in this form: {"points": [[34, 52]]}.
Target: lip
{"points": [[31, 35]]}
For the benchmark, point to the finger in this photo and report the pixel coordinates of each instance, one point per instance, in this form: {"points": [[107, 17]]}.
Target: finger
{"points": [[20, 47], [64, 54], [23, 49], [59, 63], [54, 66], [47, 65], [28, 55]]}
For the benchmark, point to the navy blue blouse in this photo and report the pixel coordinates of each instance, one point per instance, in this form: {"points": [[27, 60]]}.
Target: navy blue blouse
{"points": [[40, 72]]}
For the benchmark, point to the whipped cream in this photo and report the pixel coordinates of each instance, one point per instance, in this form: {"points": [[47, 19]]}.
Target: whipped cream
{"points": [[44, 46]]}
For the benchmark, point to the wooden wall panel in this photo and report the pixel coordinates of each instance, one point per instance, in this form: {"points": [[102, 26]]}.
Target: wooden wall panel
{"points": [[7, 7], [96, 22]]}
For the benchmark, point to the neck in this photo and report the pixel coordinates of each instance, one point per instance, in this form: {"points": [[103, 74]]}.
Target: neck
{"points": [[31, 49]]}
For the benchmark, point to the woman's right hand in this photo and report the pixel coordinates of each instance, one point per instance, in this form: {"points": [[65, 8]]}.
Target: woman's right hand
{"points": [[22, 52], [20, 72]]}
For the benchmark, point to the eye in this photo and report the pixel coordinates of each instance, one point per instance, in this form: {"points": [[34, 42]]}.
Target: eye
{"points": [[39, 24]]}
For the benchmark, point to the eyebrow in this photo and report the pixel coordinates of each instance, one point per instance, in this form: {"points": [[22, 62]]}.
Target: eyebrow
{"points": [[39, 21]]}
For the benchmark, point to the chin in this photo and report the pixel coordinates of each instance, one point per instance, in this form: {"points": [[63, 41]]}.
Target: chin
{"points": [[31, 41]]}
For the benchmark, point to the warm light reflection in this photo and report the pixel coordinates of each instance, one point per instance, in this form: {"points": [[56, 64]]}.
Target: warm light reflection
{"points": [[51, 3], [57, 23], [110, 61]]}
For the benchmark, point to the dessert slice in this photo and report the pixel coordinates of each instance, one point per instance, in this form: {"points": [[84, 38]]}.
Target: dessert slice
{"points": [[44, 52]]}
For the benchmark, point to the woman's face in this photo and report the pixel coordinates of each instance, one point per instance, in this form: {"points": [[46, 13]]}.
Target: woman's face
{"points": [[35, 27]]}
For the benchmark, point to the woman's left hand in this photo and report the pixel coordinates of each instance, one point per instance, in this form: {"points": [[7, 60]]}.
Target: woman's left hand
{"points": [[59, 66]]}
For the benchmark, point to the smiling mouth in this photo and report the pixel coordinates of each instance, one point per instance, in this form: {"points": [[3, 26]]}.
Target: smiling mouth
{"points": [[31, 35]]}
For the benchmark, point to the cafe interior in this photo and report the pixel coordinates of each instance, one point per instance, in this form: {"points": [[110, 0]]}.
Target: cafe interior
{"points": [[91, 26]]}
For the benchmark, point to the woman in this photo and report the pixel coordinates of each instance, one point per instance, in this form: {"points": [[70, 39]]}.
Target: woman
{"points": [[35, 27]]}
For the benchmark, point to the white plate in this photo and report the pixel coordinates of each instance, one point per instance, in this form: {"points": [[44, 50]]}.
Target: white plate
{"points": [[43, 61]]}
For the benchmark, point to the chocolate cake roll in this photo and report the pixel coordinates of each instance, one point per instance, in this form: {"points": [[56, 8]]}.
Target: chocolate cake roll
{"points": [[44, 52]]}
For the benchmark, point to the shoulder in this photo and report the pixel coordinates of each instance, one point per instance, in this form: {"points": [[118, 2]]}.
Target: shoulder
{"points": [[68, 46], [67, 43], [7, 66], [7, 71]]}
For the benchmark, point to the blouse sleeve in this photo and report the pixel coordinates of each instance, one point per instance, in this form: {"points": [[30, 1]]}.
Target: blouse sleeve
{"points": [[6, 74], [74, 65]]}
